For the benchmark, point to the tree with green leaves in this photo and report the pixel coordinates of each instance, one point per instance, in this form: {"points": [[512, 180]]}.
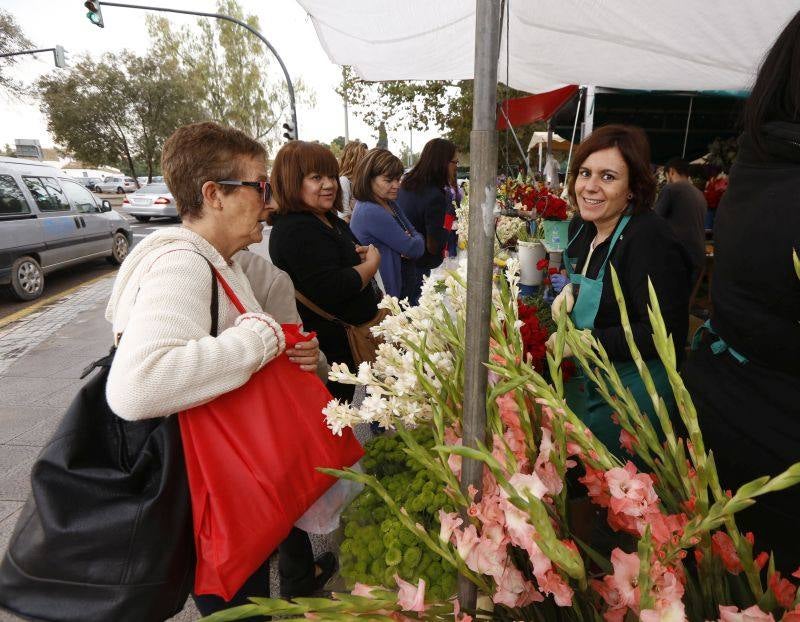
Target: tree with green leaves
{"points": [[418, 105], [241, 83], [119, 110], [12, 39]]}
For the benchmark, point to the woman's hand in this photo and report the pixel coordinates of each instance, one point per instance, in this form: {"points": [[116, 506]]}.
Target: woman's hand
{"points": [[563, 302], [369, 254], [305, 354]]}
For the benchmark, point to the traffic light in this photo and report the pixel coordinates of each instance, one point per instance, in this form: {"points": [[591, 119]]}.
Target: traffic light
{"points": [[61, 61], [291, 132], [95, 14]]}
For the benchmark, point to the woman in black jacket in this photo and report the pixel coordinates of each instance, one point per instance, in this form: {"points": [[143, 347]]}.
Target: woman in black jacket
{"points": [[318, 251], [744, 372], [613, 188], [424, 202]]}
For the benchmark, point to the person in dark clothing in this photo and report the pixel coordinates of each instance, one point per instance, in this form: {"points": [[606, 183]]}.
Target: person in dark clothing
{"points": [[684, 207], [423, 200], [744, 372], [611, 183], [325, 261]]}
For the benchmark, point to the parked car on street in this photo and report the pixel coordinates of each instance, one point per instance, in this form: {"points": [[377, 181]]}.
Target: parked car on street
{"points": [[89, 182], [49, 221], [119, 185], [157, 179], [154, 200]]}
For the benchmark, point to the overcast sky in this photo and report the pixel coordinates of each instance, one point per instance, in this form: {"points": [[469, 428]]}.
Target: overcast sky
{"points": [[283, 22]]}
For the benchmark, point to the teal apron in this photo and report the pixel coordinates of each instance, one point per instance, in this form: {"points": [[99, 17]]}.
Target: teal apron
{"points": [[580, 393]]}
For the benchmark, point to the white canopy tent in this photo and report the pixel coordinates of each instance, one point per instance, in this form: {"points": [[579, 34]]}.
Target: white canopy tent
{"points": [[649, 44]]}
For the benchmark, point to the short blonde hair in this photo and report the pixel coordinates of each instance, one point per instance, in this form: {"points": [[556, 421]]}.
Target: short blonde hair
{"points": [[351, 155]]}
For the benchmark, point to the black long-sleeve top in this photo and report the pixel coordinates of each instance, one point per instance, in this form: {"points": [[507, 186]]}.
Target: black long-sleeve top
{"points": [[647, 247], [320, 260], [755, 291]]}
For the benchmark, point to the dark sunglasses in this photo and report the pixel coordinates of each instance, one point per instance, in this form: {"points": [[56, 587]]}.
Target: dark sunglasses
{"points": [[262, 186]]}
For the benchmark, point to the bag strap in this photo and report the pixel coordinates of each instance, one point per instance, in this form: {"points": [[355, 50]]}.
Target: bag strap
{"points": [[228, 290], [317, 310]]}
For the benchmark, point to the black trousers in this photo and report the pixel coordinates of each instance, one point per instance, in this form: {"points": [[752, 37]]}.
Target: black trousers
{"points": [[749, 416], [296, 569]]}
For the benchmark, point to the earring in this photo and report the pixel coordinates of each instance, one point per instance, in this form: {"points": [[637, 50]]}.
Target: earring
{"points": [[630, 196]]}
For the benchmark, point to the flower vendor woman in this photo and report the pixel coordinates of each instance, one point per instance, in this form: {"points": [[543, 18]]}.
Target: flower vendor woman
{"points": [[613, 188]]}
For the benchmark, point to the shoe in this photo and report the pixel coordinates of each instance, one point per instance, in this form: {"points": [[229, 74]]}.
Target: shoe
{"points": [[328, 565]]}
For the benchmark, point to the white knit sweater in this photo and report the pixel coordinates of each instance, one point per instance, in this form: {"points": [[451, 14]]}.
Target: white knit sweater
{"points": [[167, 361]]}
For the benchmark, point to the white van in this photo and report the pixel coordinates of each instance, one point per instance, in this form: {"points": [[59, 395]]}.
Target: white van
{"points": [[50, 221]]}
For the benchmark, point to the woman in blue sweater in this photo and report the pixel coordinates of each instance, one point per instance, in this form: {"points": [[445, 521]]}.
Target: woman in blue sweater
{"points": [[377, 220]]}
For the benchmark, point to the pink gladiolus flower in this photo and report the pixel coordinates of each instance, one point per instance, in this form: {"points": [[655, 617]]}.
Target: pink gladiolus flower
{"points": [[449, 521], [730, 613], [627, 441], [631, 493], [411, 597], [783, 589], [553, 583], [528, 485], [454, 462], [487, 557], [465, 540], [596, 485], [626, 576], [513, 590], [796, 574], [362, 589], [793, 615], [674, 612], [722, 546]]}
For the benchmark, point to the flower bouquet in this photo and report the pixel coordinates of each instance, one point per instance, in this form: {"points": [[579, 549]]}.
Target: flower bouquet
{"points": [[562, 529]]}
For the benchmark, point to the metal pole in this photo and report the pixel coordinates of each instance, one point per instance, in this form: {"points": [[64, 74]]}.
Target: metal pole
{"points": [[588, 112], [516, 140], [572, 140], [686, 134], [27, 52], [482, 197], [235, 21]]}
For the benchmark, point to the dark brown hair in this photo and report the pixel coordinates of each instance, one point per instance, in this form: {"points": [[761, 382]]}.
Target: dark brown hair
{"points": [[635, 149], [352, 154], [776, 92], [377, 162], [293, 162], [432, 168], [201, 152]]}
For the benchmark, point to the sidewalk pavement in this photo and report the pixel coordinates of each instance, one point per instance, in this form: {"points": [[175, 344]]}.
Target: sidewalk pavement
{"points": [[41, 358]]}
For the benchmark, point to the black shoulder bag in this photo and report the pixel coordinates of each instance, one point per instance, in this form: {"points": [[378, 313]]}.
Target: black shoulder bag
{"points": [[106, 533]]}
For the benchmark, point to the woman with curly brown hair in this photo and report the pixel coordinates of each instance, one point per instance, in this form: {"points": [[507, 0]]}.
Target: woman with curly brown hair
{"points": [[352, 154]]}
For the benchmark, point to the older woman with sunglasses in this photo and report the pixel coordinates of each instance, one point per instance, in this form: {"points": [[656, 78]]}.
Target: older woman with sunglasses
{"points": [[161, 306]]}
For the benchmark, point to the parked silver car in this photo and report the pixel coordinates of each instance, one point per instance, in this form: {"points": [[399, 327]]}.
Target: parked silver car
{"points": [[152, 201], [49, 221], [119, 185]]}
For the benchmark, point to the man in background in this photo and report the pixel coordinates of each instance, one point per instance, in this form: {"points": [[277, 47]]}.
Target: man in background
{"points": [[684, 207]]}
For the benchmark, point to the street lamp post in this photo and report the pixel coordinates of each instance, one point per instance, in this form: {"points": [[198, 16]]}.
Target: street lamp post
{"points": [[235, 21]]}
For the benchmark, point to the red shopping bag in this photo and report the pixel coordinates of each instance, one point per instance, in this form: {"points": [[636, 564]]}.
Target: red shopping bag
{"points": [[251, 457]]}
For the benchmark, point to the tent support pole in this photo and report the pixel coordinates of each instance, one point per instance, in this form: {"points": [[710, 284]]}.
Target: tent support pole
{"points": [[572, 140], [686, 133], [516, 140], [482, 197], [588, 113]]}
